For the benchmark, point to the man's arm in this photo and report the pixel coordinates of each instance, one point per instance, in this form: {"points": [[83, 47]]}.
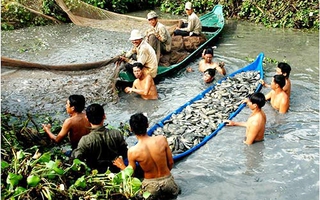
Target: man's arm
{"points": [[233, 123], [268, 96], [221, 69], [284, 105], [145, 90], [132, 158], [162, 34], [63, 132], [252, 132], [169, 154]]}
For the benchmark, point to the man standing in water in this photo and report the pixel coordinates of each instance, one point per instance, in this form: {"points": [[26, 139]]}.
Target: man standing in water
{"points": [[277, 96], [284, 69], [75, 126], [99, 148], [257, 120], [207, 62], [155, 158], [143, 85]]}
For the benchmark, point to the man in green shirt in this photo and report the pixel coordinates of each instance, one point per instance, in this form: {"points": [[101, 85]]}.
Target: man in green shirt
{"points": [[101, 146]]}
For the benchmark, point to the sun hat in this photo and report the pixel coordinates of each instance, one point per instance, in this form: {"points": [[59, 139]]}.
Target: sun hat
{"points": [[188, 5], [152, 15], [135, 35]]}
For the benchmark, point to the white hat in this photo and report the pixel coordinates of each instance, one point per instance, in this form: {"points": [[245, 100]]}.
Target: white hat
{"points": [[135, 35], [188, 5], [152, 15]]}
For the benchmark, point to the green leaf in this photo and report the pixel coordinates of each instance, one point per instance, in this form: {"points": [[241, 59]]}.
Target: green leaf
{"points": [[54, 166], [136, 184], [128, 171], [146, 195], [51, 175], [46, 157], [77, 164], [19, 190], [33, 180], [4, 165], [20, 155], [81, 182], [13, 179], [117, 179]]}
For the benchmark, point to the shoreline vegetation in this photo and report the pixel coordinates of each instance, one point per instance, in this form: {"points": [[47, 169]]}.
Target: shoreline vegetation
{"points": [[297, 14], [34, 168]]}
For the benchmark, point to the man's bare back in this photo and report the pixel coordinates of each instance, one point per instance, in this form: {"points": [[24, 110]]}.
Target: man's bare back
{"points": [[79, 126], [75, 126], [152, 153]]}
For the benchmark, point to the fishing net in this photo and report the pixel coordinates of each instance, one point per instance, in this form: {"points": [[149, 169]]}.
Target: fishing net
{"points": [[83, 14]]}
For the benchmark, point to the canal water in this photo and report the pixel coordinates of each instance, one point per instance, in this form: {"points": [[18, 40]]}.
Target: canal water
{"points": [[284, 166]]}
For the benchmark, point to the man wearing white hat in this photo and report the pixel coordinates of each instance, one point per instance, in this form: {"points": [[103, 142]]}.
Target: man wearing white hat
{"points": [[193, 27], [145, 54], [158, 36]]}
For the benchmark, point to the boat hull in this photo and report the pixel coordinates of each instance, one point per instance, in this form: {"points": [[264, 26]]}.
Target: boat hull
{"points": [[212, 25], [254, 66]]}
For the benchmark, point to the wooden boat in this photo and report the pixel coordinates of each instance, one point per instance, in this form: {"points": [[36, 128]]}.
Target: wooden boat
{"points": [[254, 66], [212, 24]]}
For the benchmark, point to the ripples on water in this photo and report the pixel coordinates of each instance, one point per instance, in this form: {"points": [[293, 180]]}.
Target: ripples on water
{"points": [[284, 166]]}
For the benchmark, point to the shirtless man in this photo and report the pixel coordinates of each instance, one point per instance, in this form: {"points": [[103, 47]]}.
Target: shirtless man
{"points": [[75, 126], [143, 85], [207, 62], [144, 52], [256, 122], [284, 69], [155, 158], [277, 96]]}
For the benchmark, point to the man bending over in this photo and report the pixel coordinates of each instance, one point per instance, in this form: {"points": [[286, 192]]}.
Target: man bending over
{"points": [[155, 158]]}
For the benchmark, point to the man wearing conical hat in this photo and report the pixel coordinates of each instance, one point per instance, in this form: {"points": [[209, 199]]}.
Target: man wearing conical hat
{"points": [[158, 36], [145, 54], [193, 27]]}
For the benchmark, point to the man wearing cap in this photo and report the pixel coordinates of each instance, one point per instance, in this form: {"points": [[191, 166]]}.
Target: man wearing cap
{"points": [[193, 27], [158, 36], [145, 54]]}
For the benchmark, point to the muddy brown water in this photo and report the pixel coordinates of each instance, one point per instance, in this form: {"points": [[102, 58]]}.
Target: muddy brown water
{"points": [[284, 166]]}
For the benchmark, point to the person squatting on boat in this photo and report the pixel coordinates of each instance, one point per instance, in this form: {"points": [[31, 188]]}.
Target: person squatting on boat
{"points": [[278, 97], [192, 27], [284, 69], [144, 84], [256, 123], [75, 126], [158, 36], [145, 54], [101, 146], [155, 158]]}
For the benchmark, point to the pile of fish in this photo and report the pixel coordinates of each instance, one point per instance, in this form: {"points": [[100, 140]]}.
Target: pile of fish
{"points": [[201, 117]]}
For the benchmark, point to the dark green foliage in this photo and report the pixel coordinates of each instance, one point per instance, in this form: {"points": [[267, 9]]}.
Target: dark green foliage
{"points": [[31, 168], [278, 14], [123, 6], [49, 7]]}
